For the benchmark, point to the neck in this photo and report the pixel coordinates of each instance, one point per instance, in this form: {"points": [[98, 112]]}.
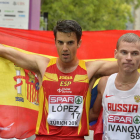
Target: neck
{"points": [[67, 67], [126, 81], [127, 77]]}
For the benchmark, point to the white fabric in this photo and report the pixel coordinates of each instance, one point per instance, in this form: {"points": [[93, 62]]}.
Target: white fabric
{"points": [[121, 112]]}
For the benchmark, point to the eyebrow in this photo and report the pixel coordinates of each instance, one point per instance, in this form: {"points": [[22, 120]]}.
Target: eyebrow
{"points": [[67, 41], [129, 51]]}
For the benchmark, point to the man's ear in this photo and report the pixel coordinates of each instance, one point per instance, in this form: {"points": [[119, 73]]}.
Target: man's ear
{"points": [[115, 54], [79, 43]]}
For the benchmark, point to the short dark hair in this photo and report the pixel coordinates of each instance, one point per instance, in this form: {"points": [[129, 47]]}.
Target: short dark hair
{"points": [[68, 26], [128, 37]]}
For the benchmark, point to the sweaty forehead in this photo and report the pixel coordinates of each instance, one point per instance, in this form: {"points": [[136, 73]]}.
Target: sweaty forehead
{"points": [[65, 36], [130, 46]]}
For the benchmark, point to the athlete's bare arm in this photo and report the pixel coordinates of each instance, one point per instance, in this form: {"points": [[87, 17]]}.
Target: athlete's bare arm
{"points": [[95, 110], [97, 69], [31, 62], [101, 68]]}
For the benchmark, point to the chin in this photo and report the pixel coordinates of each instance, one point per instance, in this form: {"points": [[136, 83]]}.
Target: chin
{"points": [[128, 71], [66, 60]]}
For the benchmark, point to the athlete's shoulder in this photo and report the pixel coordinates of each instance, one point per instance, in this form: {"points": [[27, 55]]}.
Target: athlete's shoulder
{"points": [[92, 67], [95, 67]]}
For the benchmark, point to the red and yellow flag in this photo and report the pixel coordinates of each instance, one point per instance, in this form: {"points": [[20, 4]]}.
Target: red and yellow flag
{"points": [[19, 87]]}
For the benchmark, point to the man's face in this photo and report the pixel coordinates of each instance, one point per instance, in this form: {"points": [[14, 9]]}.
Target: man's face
{"points": [[128, 56], [66, 44]]}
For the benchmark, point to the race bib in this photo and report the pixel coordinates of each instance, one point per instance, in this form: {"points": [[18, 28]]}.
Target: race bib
{"points": [[65, 110], [121, 127]]}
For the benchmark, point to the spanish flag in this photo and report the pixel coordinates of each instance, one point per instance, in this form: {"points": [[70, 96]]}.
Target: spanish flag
{"points": [[19, 87]]}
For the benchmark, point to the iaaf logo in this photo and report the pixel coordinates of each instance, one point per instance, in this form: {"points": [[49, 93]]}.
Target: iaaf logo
{"points": [[64, 90], [120, 119], [54, 99]]}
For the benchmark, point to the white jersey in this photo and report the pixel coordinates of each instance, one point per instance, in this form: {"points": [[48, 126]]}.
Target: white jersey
{"points": [[121, 112]]}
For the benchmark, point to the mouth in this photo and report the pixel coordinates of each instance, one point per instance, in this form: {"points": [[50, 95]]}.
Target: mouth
{"points": [[128, 64], [65, 55]]}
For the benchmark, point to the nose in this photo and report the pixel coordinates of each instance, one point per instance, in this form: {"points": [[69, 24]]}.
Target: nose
{"points": [[65, 48], [129, 57]]}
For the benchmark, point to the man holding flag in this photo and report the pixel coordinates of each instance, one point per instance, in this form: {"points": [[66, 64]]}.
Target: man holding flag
{"points": [[65, 84]]}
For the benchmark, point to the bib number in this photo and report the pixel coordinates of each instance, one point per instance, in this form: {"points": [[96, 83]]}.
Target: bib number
{"points": [[65, 110]]}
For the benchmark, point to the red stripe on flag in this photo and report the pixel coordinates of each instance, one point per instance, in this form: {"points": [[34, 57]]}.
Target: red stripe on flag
{"points": [[12, 125], [95, 44]]}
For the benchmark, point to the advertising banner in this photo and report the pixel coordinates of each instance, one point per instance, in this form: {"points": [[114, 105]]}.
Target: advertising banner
{"points": [[14, 14]]}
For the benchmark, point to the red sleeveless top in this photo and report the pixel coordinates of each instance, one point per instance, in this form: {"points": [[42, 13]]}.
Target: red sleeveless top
{"points": [[64, 102]]}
